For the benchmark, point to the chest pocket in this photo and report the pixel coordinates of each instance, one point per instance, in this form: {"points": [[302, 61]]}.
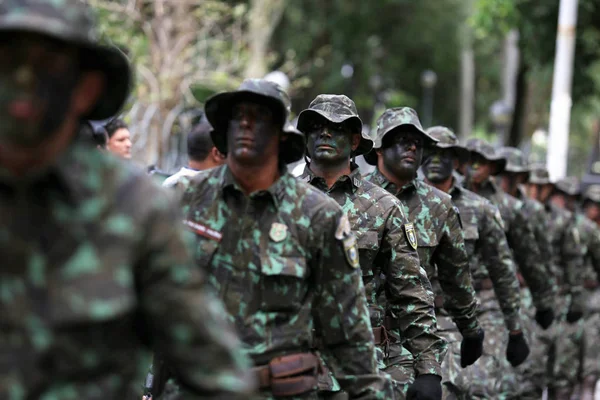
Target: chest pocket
{"points": [[368, 246], [427, 243], [283, 285]]}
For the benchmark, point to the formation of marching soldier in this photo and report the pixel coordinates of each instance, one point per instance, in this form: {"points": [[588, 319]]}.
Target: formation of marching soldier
{"points": [[453, 270]]}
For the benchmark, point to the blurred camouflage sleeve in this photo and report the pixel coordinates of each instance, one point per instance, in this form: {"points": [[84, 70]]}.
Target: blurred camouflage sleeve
{"points": [[185, 321], [410, 298], [594, 250], [454, 274], [340, 311], [572, 254], [539, 224], [530, 262], [501, 268]]}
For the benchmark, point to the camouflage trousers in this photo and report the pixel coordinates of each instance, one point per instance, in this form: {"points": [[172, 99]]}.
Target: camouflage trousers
{"points": [[490, 377], [591, 336], [556, 354]]}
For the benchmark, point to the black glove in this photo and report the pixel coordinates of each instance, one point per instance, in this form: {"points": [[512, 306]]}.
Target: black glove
{"points": [[544, 317], [517, 350], [471, 348], [425, 387], [574, 316]]}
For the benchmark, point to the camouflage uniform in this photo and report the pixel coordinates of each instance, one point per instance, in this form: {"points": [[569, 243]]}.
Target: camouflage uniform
{"points": [[494, 279], [390, 266], [440, 238], [559, 346], [95, 265], [284, 261]]}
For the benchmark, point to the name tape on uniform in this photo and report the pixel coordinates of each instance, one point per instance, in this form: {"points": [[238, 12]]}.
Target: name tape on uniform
{"points": [[203, 230]]}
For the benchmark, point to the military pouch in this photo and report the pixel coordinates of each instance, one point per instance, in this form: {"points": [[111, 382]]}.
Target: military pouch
{"points": [[290, 375]]}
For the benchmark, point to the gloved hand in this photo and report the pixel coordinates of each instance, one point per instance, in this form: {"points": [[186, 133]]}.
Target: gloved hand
{"points": [[471, 348], [574, 316], [544, 317], [517, 350], [425, 387]]}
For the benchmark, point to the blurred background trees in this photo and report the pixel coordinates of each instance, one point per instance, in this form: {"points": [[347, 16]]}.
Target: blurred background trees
{"points": [[482, 53]]}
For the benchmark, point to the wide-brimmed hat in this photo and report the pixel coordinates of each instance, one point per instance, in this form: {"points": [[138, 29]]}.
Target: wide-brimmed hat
{"points": [[592, 193], [72, 21], [538, 174], [218, 111], [338, 109], [487, 151], [390, 120], [569, 186], [516, 163], [446, 139]]}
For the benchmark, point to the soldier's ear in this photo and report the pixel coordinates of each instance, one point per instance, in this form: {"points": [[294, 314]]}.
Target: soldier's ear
{"points": [[355, 141], [455, 164], [87, 92]]}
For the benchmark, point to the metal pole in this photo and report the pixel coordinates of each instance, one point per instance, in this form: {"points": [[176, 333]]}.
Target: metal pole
{"points": [[427, 106], [560, 108]]}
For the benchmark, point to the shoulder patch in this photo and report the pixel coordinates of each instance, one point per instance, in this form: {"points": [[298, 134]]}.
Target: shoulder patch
{"points": [[456, 210], [411, 235], [498, 218], [343, 229], [576, 236], [351, 251]]}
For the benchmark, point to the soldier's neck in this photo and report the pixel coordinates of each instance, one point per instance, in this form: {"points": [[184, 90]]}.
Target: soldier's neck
{"points": [[253, 178], [330, 172], [400, 182], [443, 186]]}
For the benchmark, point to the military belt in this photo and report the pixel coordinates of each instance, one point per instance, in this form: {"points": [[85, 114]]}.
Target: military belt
{"points": [[380, 333], [483, 284], [289, 375]]}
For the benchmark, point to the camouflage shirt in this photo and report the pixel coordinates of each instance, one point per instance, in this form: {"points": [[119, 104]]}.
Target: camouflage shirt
{"points": [[488, 250], [378, 222], [441, 246], [94, 264], [590, 240], [281, 259], [523, 244], [567, 258]]}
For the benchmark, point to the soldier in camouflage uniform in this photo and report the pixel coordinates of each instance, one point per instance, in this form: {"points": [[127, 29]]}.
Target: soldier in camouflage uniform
{"points": [[567, 194], [566, 261], [591, 360], [95, 265], [494, 279], [398, 150], [281, 254], [390, 265]]}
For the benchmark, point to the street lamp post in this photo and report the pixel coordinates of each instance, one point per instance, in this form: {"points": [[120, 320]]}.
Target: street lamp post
{"points": [[428, 81], [501, 115]]}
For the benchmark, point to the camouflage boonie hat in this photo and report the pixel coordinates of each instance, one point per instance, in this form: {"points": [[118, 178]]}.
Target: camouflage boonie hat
{"points": [[592, 193], [569, 186], [516, 162], [218, 111], [72, 21], [538, 174], [487, 151], [391, 119], [446, 139], [337, 109]]}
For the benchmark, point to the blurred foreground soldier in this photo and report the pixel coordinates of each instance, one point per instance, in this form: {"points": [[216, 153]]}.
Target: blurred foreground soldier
{"points": [[202, 155], [281, 254], [390, 265], [584, 354], [437, 236], [119, 138], [591, 361], [94, 264], [494, 279], [567, 267]]}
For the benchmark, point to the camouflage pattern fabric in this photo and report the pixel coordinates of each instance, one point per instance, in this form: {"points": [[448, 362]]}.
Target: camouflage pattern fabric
{"points": [[95, 268], [284, 261], [380, 226], [441, 246], [522, 242]]}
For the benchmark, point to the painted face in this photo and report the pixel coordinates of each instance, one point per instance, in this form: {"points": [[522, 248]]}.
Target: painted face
{"points": [[252, 133], [592, 211], [478, 169], [402, 153], [539, 192], [329, 143], [37, 77], [120, 143], [439, 165]]}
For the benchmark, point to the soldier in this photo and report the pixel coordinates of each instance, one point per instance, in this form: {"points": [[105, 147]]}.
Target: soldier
{"points": [[397, 152], [494, 278], [583, 355], [281, 253], [591, 360], [390, 265], [95, 266], [567, 266]]}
